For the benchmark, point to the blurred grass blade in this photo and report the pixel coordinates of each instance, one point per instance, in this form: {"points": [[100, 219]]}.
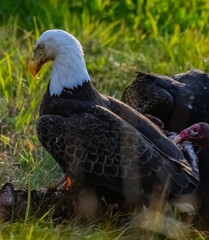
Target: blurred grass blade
{"points": [[36, 28], [27, 212], [29, 236], [4, 139]]}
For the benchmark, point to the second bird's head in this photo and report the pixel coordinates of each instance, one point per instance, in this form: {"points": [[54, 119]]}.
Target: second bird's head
{"points": [[197, 133]]}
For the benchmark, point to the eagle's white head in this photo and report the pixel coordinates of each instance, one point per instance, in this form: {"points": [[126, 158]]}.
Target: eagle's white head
{"points": [[69, 68]]}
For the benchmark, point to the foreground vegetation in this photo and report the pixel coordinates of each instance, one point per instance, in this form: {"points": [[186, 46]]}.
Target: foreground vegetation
{"points": [[119, 38]]}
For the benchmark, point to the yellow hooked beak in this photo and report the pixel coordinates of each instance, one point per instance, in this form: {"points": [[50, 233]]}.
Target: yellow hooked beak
{"points": [[34, 68]]}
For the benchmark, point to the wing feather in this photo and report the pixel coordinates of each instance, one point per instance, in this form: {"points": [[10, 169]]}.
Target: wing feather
{"points": [[104, 150]]}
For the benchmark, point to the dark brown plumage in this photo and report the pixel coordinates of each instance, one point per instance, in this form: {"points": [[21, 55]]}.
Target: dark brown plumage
{"points": [[58, 205], [13, 203], [124, 153], [178, 101], [98, 140]]}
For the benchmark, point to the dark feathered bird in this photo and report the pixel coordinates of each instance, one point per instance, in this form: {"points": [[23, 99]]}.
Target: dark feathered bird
{"points": [[198, 134], [59, 205], [13, 203], [178, 101], [98, 140]]}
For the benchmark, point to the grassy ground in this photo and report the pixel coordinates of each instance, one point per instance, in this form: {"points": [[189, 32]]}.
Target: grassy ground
{"points": [[119, 38]]}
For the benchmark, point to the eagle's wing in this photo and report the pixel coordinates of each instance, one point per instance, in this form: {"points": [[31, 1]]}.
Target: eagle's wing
{"points": [[102, 149]]}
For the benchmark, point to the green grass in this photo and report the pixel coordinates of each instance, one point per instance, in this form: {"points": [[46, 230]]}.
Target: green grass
{"points": [[119, 38], [42, 231]]}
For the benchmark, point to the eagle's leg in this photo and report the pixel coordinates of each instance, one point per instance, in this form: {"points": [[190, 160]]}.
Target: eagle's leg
{"points": [[68, 183], [64, 184]]}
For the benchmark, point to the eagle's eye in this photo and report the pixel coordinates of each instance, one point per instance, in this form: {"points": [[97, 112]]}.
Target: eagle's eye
{"points": [[40, 47]]}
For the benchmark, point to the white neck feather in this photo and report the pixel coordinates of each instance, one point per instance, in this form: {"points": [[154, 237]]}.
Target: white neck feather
{"points": [[69, 70]]}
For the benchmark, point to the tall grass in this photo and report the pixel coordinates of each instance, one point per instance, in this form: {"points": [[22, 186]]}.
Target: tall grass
{"points": [[119, 38]]}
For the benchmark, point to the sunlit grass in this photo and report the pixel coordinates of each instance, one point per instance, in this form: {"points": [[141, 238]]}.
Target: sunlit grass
{"points": [[119, 38]]}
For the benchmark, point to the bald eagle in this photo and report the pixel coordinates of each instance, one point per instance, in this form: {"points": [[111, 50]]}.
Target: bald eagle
{"points": [[98, 140]]}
